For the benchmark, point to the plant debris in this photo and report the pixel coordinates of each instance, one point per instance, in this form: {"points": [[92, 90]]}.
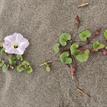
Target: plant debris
{"points": [[78, 21], [83, 5], [98, 32], [47, 65], [83, 92], [73, 72]]}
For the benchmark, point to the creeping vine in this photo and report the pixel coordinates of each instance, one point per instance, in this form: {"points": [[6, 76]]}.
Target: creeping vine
{"points": [[71, 52]]}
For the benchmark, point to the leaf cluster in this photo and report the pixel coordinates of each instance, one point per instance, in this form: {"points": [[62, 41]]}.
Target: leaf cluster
{"points": [[74, 49], [14, 62]]}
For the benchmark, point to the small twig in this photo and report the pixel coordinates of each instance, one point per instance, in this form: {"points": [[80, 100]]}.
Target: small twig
{"points": [[96, 34], [83, 92], [47, 62], [78, 21], [73, 71], [83, 5], [65, 49]]}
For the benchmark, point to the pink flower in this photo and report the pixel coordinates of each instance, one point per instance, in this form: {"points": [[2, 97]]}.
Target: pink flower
{"points": [[15, 44]]}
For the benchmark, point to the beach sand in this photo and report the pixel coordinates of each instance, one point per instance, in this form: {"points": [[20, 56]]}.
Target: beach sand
{"points": [[42, 21]]}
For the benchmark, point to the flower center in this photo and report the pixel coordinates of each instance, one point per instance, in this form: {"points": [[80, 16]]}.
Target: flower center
{"points": [[15, 46]]}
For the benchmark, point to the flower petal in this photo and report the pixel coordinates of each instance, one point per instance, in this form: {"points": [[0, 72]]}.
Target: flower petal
{"points": [[10, 38], [24, 44], [20, 51]]}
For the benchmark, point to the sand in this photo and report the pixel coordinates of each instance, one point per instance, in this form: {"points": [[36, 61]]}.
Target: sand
{"points": [[42, 21]]}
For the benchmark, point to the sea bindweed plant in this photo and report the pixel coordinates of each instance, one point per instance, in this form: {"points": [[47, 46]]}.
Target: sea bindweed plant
{"points": [[71, 52], [11, 54]]}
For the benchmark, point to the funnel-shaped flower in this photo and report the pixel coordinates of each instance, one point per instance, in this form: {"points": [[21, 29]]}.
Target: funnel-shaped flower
{"points": [[15, 44]]}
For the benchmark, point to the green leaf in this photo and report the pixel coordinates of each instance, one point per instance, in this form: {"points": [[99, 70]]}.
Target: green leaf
{"points": [[47, 65], [5, 68], [12, 60], [1, 63], [97, 46], [24, 67], [68, 61], [19, 57], [25, 63], [105, 34], [84, 35], [47, 68], [29, 70], [65, 59], [83, 57], [20, 68], [74, 49], [64, 37], [2, 51], [56, 48]]}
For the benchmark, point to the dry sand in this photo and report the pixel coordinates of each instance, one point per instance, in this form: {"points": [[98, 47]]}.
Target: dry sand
{"points": [[41, 21]]}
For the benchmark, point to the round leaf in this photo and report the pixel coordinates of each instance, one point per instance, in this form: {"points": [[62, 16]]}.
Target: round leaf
{"points": [[19, 57], [24, 66], [65, 59], [68, 61], [20, 68], [84, 35], [64, 37], [97, 46], [29, 70], [12, 60], [83, 57], [56, 48], [74, 49]]}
